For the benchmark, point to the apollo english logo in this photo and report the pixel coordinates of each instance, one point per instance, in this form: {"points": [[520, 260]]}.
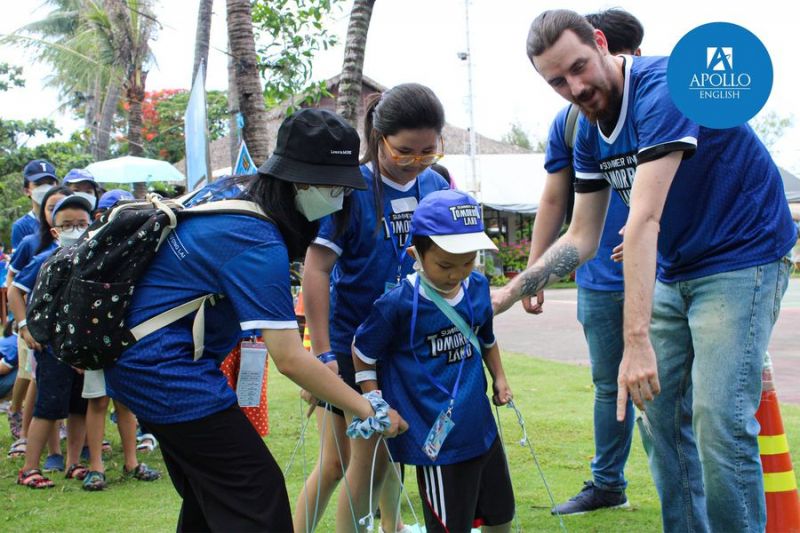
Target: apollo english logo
{"points": [[719, 75]]}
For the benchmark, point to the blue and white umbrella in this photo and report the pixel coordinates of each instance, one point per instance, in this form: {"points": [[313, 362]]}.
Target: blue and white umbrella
{"points": [[131, 169]]}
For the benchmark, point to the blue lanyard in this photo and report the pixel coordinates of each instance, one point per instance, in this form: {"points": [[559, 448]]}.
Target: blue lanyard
{"points": [[414, 308], [398, 248]]}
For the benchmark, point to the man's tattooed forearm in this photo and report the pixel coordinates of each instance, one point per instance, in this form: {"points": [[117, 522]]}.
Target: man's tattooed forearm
{"points": [[558, 261]]}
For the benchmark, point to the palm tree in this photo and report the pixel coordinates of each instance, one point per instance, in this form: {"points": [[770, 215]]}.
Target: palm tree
{"points": [[202, 37], [349, 94], [248, 84], [96, 49]]}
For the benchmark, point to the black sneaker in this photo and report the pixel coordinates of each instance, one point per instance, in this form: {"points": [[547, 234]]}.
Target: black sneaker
{"points": [[591, 498]]}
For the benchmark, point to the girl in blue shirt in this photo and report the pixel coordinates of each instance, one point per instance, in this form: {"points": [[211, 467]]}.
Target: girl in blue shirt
{"points": [[218, 463], [346, 272]]}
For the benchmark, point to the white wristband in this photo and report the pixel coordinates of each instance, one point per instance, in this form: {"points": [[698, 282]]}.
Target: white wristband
{"points": [[366, 375], [22, 323]]}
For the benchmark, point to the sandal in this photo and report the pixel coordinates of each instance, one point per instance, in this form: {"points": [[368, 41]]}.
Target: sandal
{"points": [[18, 448], [34, 479], [76, 471], [142, 472], [94, 481], [147, 442], [106, 447]]}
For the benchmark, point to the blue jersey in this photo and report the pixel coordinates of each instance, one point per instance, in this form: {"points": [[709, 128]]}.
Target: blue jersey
{"points": [[726, 208], [240, 257], [370, 250], [601, 273], [24, 252], [26, 279], [25, 225], [8, 350], [405, 381]]}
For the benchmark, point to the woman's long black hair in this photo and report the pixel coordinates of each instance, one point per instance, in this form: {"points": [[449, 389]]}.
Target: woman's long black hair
{"points": [[276, 198], [409, 106], [45, 237]]}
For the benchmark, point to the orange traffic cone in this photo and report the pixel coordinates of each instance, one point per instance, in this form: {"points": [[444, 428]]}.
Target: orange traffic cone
{"points": [[299, 309], [780, 483], [306, 339]]}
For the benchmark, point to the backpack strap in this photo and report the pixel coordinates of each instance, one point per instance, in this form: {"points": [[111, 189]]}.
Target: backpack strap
{"points": [[571, 127], [241, 207], [176, 313]]}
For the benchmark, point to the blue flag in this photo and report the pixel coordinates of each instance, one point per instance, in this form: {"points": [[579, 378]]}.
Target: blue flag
{"points": [[244, 163]]}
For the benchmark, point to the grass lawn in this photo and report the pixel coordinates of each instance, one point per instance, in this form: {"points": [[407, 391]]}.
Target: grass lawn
{"points": [[556, 400]]}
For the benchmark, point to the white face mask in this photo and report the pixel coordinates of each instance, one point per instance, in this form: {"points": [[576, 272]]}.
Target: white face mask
{"points": [[38, 193], [317, 202], [68, 238], [91, 198]]}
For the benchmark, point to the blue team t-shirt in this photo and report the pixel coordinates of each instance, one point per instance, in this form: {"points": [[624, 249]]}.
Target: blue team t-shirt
{"points": [[8, 350], [26, 279], [240, 257], [24, 252], [369, 254], [600, 273], [726, 208], [384, 338], [25, 225]]}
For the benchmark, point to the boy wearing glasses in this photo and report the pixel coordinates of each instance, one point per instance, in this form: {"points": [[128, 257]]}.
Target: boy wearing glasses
{"points": [[59, 394]]}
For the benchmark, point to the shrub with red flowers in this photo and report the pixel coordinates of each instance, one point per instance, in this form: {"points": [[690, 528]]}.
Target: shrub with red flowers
{"points": [[514, 256]]}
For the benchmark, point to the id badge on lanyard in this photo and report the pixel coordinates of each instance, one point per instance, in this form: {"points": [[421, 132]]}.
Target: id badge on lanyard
{"points": [[398, 206], [251, 373]]}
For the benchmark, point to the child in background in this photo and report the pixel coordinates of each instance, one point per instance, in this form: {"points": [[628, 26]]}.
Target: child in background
{"points": [[59, 385], [429, 337], [23, 394], [94, 391], [8, 359]]}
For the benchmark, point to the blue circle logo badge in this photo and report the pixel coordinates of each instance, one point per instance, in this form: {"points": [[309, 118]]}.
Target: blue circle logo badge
{"points": [[719, 75]]}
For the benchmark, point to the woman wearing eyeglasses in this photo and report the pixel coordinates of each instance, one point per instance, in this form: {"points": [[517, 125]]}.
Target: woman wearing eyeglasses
{"points": [[345, 274]]}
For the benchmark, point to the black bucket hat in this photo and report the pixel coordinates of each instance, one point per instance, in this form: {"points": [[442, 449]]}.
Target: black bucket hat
{"points": [[317, 147]]}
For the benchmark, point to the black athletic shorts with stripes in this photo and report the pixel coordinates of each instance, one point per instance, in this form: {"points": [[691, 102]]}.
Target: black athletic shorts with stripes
{"points": [[470, 494]]}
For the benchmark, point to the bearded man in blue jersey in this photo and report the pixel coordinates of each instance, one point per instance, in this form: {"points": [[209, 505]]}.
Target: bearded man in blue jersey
{"points": [[711, 203]]}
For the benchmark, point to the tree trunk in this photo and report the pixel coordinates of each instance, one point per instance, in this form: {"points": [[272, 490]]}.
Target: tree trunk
{"points": [[248, 83], [135, 94], [92, 113], [100, 151], [202, 36], [233, 109], [349, 94]]}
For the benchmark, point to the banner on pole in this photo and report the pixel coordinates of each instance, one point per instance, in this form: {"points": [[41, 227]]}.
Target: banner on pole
{"points": [[198, 167]]}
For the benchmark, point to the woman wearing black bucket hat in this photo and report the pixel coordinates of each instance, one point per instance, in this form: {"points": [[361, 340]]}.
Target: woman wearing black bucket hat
{"points": [[219, 465]]}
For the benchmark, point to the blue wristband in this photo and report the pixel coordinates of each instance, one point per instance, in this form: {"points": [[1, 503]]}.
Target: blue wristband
{"points": [[379, 422], [326, 357]]}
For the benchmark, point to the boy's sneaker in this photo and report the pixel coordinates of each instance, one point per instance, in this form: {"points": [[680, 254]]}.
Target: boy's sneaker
{"points": [[15, 423], [592, 498], [54, 463]]}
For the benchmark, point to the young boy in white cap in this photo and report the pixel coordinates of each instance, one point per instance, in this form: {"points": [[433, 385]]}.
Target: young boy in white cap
{"points": [[423, 336]]}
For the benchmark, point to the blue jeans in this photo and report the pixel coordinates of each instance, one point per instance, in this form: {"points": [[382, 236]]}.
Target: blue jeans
{"points": [[710, 335], [600, 314]]}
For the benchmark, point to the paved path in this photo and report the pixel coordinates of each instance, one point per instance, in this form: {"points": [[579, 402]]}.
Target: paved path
{"points": [[556, 335]]}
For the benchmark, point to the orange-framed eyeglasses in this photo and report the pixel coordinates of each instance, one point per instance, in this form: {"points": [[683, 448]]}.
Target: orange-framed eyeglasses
{"points": [[408, 160]]}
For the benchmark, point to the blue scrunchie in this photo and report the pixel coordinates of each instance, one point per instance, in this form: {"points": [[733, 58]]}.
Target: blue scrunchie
{"points": [[379, 422]]}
